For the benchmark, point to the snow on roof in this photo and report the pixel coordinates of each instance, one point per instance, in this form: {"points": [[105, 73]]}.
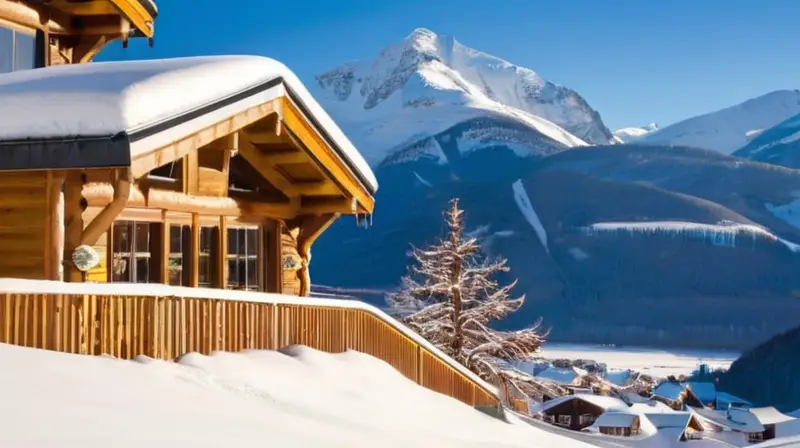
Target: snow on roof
{"points": [[769, 415], [151, 103], [559, 375], [706, 392], [674, 419], [615, 419], [669, 390], [736, 419], [724, 397], [603, 402], [144, 290]]}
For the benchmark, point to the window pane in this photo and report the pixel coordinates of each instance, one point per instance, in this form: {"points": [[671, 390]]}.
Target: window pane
{"points": [[24, 51], [177, 253], [6, 50], [143, 237], [142, 269], [252, 241], [233, 274], [252, 275], [233, 241], [120, 265]]}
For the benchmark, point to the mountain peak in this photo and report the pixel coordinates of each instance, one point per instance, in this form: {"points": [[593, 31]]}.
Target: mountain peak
{"points": [[426, 71]]}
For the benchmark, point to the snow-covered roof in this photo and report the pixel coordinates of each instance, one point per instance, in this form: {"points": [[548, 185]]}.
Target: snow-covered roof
{"points": [[736, 419], [669, 390], [108, 113], [769, 415], [705, 391], [615, 419], [559, 375], [725, 398], [601, 401], [675, 419]]}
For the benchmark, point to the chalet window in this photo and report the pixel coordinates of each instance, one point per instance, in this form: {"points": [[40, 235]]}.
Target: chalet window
{"points": [[132, 249], [565, 420], [17, 50], [208, 273], [754, 437], [587, 419], [243, 253], [179, 259]]}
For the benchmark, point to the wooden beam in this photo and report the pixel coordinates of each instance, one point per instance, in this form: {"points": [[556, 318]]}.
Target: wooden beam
{"points": [[194, 252], [222, 206], [137, 14], [266, 138], [190, 174], [161, 156], [73, 224], [102, 193], [88, 48], [327, 157], [91, 8], [287, 157], [339, 205], [311, 227], [53, 232], [260, 162], [102, 222]]}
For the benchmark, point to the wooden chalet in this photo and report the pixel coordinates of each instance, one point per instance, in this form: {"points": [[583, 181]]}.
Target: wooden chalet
{"points": [[40, 33], [200, 172], [579, 411], [615, 423]]}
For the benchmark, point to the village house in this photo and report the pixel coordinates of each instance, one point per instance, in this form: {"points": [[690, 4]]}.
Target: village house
{"points": [[615, 423], [676, 395], [686, 424], [737, 425], [577, 411]]}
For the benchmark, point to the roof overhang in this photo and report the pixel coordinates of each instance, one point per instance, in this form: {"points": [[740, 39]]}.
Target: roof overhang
{"points": [[154, 144]]}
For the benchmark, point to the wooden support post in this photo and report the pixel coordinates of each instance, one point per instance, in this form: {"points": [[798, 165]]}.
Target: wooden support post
{"points": [[73, 224], [311, 227], [54, 236], [194, 250]]}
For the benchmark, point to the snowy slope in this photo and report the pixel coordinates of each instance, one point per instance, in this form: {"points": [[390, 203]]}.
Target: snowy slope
{"points": [[427, 83], [298, 398], [727, 130], [778, 145], [626, 135]]}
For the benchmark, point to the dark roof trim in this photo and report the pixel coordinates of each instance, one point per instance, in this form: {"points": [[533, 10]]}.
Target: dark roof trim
{"points": [[99, 151], [150, 7]]}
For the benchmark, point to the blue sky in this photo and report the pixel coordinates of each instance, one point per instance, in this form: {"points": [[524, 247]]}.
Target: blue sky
{"points": [[635, 61]]}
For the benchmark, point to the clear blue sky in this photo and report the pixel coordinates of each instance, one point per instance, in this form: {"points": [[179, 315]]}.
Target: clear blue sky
{"points": [[635, 61]]}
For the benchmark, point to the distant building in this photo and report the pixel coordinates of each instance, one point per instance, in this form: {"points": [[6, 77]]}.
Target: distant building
{"points": [[752, 425], [676, 395], [578, 411], [615, 423]]}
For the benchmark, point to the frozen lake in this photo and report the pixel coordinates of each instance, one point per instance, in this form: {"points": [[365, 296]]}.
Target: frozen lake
{"points": [[652, 361]]}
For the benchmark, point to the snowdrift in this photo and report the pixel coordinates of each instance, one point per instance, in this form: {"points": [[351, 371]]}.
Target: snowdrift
{"points": [[298, 397]]}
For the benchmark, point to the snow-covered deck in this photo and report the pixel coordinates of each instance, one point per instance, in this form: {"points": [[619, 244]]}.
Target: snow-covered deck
{"points": [[107, 114]]}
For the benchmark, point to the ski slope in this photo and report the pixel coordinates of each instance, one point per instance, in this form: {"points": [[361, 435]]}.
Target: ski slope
{"points": [[299, 397]]}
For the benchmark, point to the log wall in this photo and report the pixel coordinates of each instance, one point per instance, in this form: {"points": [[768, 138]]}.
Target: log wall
{"points": [[27, 225]]}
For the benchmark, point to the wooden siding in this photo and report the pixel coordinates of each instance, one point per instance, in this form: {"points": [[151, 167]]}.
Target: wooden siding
{"points": [[166, 327], [100, 273], [25, 225]]}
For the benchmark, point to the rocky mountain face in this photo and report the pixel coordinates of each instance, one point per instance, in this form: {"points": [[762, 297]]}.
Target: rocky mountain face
{"points": [[427, 83], [629, 244]]}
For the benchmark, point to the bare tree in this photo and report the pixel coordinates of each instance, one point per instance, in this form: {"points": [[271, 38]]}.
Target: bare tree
{"points": [[450, 296]]}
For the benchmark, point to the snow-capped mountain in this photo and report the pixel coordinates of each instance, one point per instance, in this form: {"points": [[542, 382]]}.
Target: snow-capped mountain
{"points": [[729, 129], [427, 83], [779, 145], [627, 135]]}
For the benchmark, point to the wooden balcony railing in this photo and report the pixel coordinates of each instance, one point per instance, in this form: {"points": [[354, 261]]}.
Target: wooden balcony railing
{"points": [[159, 321]]}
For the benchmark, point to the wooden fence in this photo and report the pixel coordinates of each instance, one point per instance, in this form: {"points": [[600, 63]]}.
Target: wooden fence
{"points": [[165, 322]]}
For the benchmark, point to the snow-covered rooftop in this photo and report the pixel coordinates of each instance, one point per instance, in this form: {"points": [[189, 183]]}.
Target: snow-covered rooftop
{"points": [[69, 115], [669, 390], [603, 402], [615, 419], [769, 415]]}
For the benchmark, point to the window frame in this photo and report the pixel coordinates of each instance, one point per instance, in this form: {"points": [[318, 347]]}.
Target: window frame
{"points": [[15, 30]]}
